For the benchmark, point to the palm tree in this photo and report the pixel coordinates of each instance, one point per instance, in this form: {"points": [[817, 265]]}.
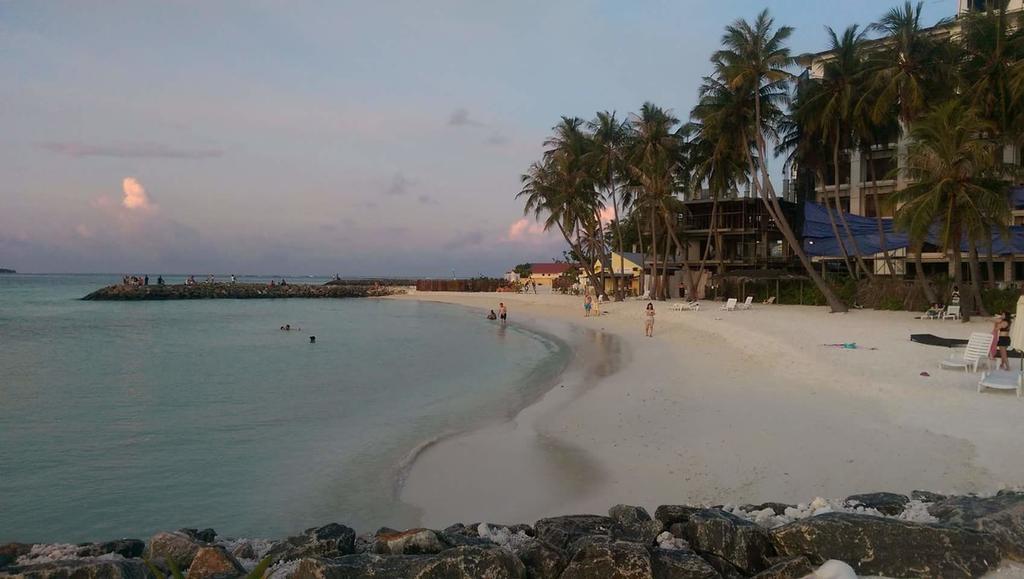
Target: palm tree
{"points": [[754, 62], [956, 184], [911, 70], [832, 106], [607, 158], [571, 148], [652, 164]]}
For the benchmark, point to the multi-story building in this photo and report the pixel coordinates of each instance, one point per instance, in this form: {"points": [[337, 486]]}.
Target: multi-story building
{"points": [[868, 178]]}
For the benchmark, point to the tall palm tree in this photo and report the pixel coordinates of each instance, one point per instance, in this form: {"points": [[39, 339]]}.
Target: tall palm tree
{"points": [[572, 148], [833, 104], [607, 158], [652, 164], [911, 71], [956, 184], [754, 61]]}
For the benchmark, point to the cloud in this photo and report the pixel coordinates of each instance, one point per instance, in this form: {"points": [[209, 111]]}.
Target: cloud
{"points": [[129, 151], [524, 230], [84, 231], [426, 200], [135, 196], [496, 139], [399, 185], [460, 118], [461, 240]]}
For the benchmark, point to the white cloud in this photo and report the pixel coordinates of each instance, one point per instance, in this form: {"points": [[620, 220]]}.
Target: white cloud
{"points": [[135, 196], [525, 230]]}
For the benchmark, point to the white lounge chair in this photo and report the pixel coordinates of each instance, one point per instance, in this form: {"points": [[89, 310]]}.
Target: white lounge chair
{"points": [[747, 304], [1002, 380], [685, 307], [730, 305], [769, 301], [934, 314], [952, 313], [976, 351]]}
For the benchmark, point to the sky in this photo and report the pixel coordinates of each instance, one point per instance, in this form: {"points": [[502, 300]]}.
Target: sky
{"points": [[358, 138]]}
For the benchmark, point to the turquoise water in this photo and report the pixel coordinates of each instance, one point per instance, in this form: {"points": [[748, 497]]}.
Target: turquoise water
{"points": [[121, 419]]}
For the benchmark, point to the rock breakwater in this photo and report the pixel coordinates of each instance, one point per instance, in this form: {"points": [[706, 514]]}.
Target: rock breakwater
{"points": [[930, 535], [240, 291]]}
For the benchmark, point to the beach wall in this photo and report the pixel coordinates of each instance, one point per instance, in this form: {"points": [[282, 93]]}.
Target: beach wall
{"points": [[887, 534], [236, 291]]}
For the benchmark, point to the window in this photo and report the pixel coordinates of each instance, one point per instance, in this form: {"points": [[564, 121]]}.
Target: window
{"points": [[879, 167]]}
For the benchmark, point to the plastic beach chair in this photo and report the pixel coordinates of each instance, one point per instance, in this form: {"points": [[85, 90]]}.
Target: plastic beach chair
{"points": [[730, 305], [747, 304], [977, 350], [952, 313], [1002, 380]]}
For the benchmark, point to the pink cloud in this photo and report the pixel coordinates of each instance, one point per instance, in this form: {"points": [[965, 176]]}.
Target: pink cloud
{"points": [[135, 196], [526, 230]]}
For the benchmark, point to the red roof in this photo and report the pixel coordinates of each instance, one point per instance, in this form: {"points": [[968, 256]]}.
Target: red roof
{"points": [[549, 268]]}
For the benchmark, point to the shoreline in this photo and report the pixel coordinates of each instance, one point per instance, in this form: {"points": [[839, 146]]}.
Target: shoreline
{"points": [[749, 410]]}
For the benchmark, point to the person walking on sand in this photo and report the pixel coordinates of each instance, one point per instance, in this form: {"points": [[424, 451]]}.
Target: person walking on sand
{"points": [[587, 304], [502, 313], [649, 320], [1001, 329]]}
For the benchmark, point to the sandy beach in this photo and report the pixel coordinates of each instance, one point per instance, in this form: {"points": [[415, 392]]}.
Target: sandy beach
{"points": [[724, 407]]}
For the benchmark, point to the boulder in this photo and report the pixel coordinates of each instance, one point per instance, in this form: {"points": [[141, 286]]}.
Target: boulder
{"points": [[10, 552], [176, 546], [926, 496], [609, 560], [127, 548], [777, 508], [214, 562], [635, 524], [541, 559], [411, 542], [742, 543], [82, 569], [561, 531], [672, 514], [457, 563], [1001, 515], [680, 564], [890, 504], [204, 536], [894, 548], [331, 540], [787, 568], [726, 569]]}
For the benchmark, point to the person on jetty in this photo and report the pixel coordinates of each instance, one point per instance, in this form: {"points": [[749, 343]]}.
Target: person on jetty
{"points": [[145, 280], [284, 282], [272, 283], [232, 278], [587, 304], [191, 280], [159, 280], [502, 313], [492, 315], [649, 320]]}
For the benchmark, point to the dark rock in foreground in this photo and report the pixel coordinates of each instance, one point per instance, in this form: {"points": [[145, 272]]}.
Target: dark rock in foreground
{"points": [[82, 569], [893, 548], [1001, 515], [240, 291], [886, 503]]}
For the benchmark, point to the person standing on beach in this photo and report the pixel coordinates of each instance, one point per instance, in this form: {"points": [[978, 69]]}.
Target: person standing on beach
{"points": [[502, 313], [1001, 330], [649, 320], [587, 304]]}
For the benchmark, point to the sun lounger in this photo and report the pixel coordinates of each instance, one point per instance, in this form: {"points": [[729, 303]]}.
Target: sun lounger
{"points": [[934, 314], [952, 313], [730, 305], [747, 304], [975, 352], [769, 301], [685, 307], [1002, 380]]}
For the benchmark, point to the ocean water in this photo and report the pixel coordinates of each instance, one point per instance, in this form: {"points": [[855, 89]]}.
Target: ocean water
{"points": [[120, 419]]}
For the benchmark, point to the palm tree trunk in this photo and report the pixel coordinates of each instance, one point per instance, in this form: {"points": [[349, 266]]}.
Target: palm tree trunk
{"points": [[654, 256], [643, 255], [835, 230], [975, 266], [712, 228], [878, 220], [991, 262], [958, 273], [618, 238], [603, 257], [588, 268], [842, 216], [664, 293], [775, 210], [919, 277]]}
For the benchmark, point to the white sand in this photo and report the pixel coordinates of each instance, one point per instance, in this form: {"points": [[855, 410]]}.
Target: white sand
{"points": [[724, 407]]}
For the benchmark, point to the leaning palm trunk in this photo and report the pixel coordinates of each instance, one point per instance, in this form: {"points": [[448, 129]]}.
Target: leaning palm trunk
{"points": [[775, 210], [578, 249], [919, 277], [878, 220], [679, 249], [975, 266], [712, 229], [664, 293], [643, 255], [956, 259], [603, 257], [654, 256], [842, 216], [835, 229], [991, 261], [619, 293]]}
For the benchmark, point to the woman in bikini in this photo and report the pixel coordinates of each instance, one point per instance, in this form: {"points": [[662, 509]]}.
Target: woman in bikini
{"points": [[1002, 330], [649, 320]]}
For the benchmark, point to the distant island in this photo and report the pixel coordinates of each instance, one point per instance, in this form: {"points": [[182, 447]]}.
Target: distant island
{"points": [[2, 270]]}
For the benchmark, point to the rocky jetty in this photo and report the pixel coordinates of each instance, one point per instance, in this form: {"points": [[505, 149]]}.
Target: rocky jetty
{"points": [[2, 270], [927, 535], [238, 291]]}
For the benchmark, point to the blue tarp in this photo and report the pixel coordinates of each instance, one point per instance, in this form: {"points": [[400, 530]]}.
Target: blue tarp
{"points": [[819, 240]]}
